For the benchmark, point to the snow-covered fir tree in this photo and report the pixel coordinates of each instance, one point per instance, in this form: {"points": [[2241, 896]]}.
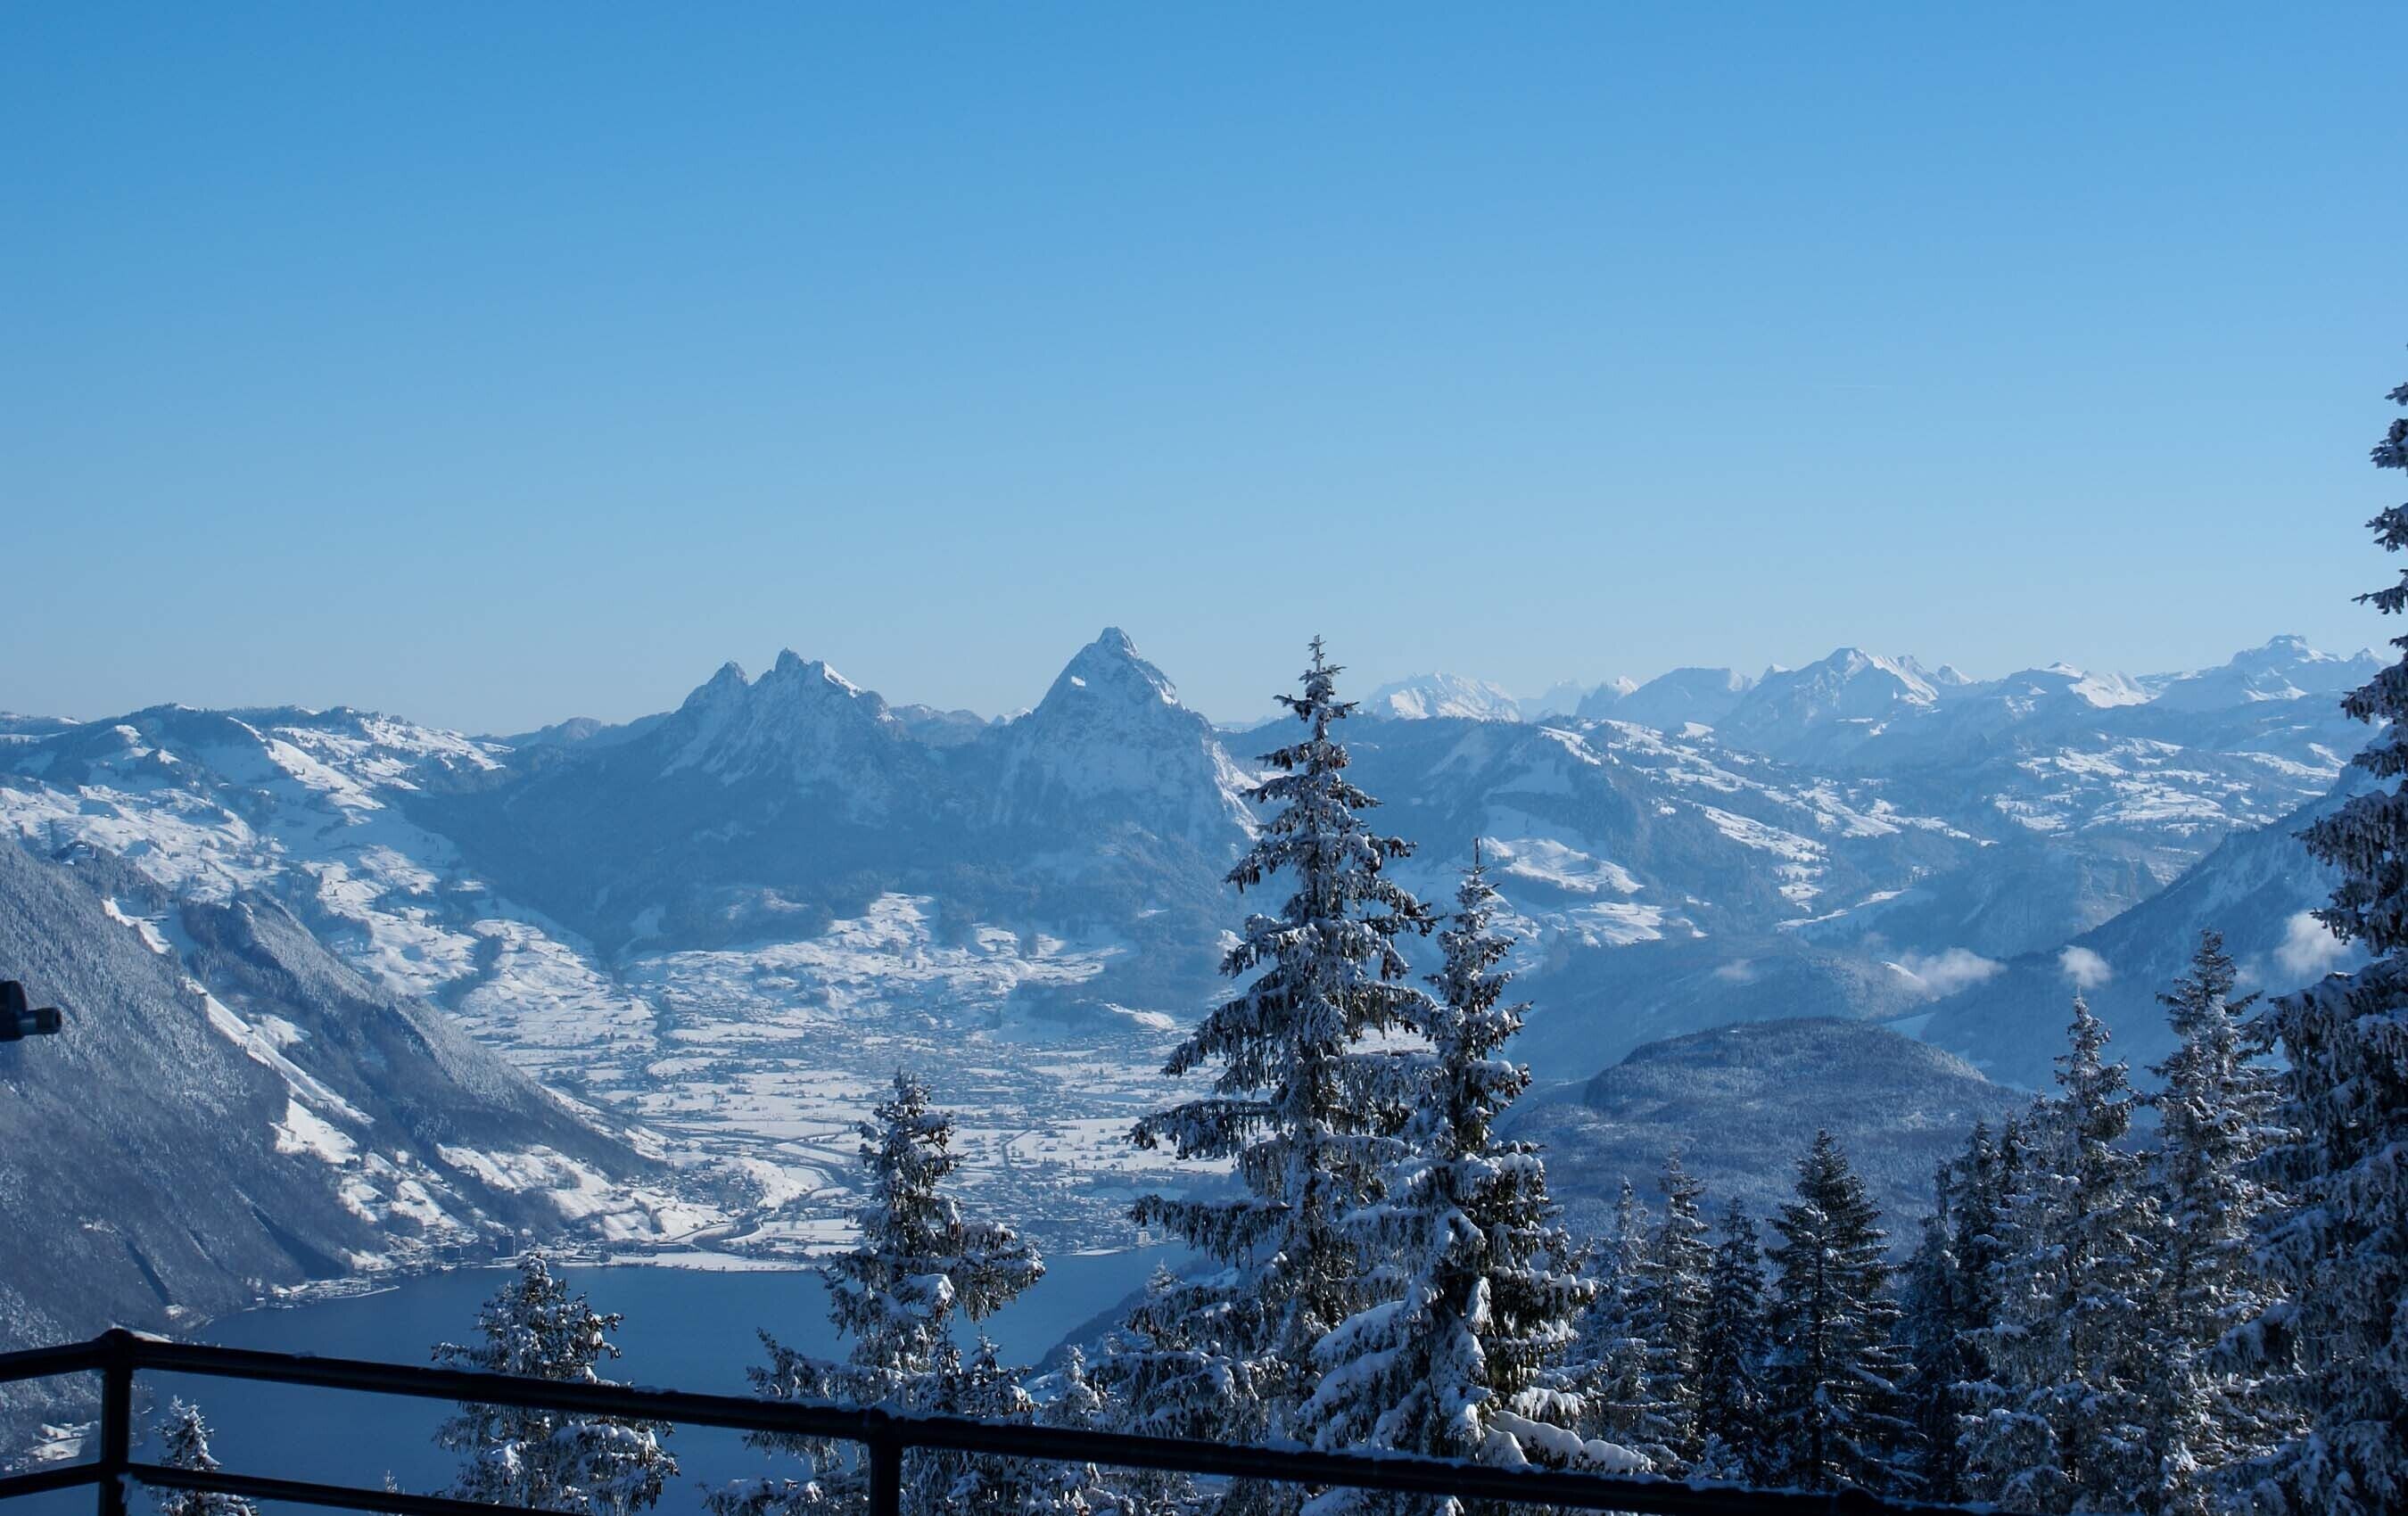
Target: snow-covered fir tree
{"points": [[980, 1388], [1832, 1373], [1163, 1374], [184, 1443], [2060, 1423], [1308, 1113], [1933, 1327], [1164, 1368], [1067, 1398], [535, 1327], [1732, 1443], [2337, 1249], [1608, 1366], [1473, 1298], [2214, 1114], [1987, 1179], [1948, 1301], [894, 1296], [1673, 1264]]}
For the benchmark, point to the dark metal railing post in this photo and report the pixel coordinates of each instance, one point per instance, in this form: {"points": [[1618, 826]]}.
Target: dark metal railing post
{"points": [[116, 1418], [885, 1464]]}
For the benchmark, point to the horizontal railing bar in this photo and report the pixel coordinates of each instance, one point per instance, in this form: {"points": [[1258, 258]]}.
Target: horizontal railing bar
{"points": [[41, 1481], [1646, 1495], [303, 1493], [743, 1413], [1595, 1491], [1401, 1472], [48, 1363]]}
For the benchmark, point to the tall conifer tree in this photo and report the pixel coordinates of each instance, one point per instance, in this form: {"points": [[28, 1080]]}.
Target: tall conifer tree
{"points": [[1934, 1326], [1834, 1374], [1673, 1264], [2215, 1113], [1475, 1298], [894, 1294], [184, 1443], [1609, 1361], [535, 1327], [2060, 1424], [1730, 1357], [2337, 1249], [1309, 1114]]}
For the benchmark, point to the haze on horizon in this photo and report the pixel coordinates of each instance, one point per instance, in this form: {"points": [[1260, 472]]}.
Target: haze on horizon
{"points": [[490, 371]]}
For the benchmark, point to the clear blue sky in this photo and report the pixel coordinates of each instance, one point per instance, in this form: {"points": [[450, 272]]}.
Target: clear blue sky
{"points": [[494, 364]]}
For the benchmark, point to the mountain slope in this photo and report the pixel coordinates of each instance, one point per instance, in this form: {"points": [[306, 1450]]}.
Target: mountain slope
{"points": [[2256, 889], [1670, 702], [228, 1109], [1743, 1103]]}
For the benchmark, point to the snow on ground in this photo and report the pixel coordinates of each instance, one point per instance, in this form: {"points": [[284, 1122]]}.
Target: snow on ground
{"points": [[549, 1007], [261, 1049], [585, 1194], [771, 1053], [1549, 861], [147, 927], [303, 1130], [1616, 924]]}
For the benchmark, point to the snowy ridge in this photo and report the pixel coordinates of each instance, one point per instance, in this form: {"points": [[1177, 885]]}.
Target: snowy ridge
{"points": [[1426, 695]]}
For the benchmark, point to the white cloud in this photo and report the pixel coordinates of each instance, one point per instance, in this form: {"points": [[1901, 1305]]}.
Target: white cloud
{"points": [[1949, 971], [2086, 968], [1742, 972], [2309, 951]]}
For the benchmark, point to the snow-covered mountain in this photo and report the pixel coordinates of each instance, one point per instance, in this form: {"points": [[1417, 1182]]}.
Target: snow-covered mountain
{"points": [[1110, 739], [1829, 707], [1670, 702], [801, 726], [2258, 889], [2286, 668], [1426, 695]]}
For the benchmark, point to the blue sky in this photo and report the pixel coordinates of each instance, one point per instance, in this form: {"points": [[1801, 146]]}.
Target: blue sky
{"points": [[497, 363]]}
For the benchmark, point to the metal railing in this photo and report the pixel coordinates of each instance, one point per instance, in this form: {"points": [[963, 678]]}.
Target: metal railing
{"points": [[118, 1355]]}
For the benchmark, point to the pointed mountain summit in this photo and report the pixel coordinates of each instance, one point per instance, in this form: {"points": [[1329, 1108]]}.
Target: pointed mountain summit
{"points": [[1112, 743], [2033, 709], [801, 722], [1108, 670], [1843, 699]]}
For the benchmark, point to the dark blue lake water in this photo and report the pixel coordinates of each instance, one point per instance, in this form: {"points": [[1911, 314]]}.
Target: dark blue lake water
{"points": [[689, 1329]]}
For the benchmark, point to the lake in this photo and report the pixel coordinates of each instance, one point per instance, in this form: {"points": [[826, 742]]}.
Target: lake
{"points": [[685, 1328]]}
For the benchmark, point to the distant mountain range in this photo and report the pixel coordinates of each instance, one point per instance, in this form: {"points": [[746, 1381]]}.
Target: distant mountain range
{"points": [[711, 932]]}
